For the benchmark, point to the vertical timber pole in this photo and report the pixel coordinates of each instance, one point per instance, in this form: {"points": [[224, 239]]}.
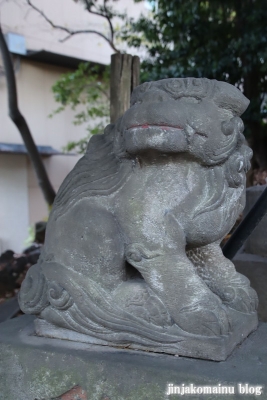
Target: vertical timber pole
{"points": [[125, 76]]}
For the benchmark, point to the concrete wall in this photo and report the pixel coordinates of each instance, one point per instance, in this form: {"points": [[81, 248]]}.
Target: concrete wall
{"points": [[36, 102], [14, 212], [21, 201]]}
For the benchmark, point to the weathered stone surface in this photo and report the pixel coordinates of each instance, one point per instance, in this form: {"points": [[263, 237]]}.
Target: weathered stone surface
{"points": [[34, 368], [255, 269], [132, 255], [252, 260], [257, 241]]}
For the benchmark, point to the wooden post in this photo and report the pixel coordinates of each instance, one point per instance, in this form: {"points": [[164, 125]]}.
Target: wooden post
{"points": [[125, 72], [135, 72]]}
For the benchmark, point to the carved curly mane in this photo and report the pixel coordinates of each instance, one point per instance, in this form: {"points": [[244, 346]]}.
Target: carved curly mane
{"points": [[99, 172]]}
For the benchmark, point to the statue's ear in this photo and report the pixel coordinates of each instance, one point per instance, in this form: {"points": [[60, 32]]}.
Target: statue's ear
{"points": [[235, 125], [108, 129], [169, 140]]}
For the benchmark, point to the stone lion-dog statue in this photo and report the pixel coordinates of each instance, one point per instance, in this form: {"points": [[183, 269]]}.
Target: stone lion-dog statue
{"points": [[132, 255]]}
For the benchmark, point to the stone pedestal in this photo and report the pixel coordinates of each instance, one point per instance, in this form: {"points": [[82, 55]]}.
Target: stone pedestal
{"points": [[34, 368], [251, 261], [257, 241], [254, 267]]}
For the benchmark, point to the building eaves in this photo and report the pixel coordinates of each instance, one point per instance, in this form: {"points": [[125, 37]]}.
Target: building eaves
{"points": [[61, 60], [13, 148]]}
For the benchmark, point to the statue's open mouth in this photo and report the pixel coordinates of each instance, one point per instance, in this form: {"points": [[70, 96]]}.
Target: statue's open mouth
{"points": [[189, 131], [161, 126]]}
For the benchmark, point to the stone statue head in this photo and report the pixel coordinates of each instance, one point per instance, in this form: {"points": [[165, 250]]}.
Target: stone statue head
{"points": [[185, 115]]}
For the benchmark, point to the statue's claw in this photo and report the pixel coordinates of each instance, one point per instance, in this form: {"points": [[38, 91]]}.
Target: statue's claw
{"points": [[243, 299], [237, 294], [206, 319]]}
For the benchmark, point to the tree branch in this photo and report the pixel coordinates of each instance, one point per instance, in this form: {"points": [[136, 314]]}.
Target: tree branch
{"points": [[109, 21], [74, 32], [21, 124], [89, 9]]}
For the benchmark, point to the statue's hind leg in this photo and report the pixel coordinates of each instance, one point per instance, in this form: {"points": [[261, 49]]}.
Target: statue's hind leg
{"points": [[190, 303], [221, 277]]}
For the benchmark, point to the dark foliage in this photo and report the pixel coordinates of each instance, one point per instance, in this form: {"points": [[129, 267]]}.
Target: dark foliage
{"points": [[218, 39]]}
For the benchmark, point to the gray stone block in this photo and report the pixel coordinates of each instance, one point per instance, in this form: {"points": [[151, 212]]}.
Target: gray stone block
{"points": [[41, 368], [252, 260], [255, 269], [257, 241]]}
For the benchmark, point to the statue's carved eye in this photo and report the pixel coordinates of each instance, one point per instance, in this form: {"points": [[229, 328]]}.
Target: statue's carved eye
{"points": [[174, 86], [186, 87], [153, 95], [192, 100], [197, 82], [135, 102]]}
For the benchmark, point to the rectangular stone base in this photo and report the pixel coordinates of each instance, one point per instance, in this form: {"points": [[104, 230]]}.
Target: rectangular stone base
{"points": [[254, 267], [35, 368], [196, 346]]}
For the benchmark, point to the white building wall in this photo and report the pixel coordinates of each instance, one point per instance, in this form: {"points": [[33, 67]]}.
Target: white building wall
{"points": [[36, 102], [18, 17], [14, 212], [21, 201]]}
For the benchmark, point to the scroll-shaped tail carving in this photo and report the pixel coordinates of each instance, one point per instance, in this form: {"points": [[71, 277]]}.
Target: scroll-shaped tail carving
{"points": [[79, 304], [33, 294]]}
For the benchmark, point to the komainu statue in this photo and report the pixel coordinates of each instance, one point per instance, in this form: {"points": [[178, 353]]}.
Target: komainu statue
{"points": [[132, 256]]}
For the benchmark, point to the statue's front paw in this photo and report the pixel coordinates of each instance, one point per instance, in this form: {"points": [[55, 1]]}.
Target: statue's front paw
{"points": [[206, 319], [243, 299]]}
